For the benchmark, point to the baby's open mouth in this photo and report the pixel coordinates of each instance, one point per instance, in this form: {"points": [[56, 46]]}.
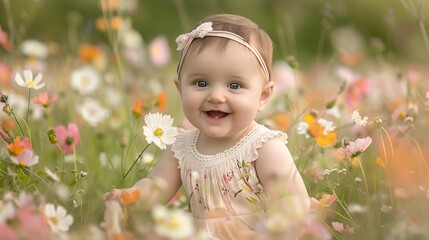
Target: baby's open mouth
{"points": [[217, 114]]}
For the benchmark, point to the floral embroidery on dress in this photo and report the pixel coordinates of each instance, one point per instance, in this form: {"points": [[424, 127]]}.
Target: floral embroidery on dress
{"points": [[250, 181]]}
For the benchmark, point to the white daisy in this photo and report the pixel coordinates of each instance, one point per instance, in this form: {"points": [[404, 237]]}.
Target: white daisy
{"points": [[28, 80], [159, 129], [92, 112], [85, 79], [172, 224], [34, 48], [58, 219]]}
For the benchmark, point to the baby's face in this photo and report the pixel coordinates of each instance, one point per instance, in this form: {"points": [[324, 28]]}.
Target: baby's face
{"points": [[222, 90]]}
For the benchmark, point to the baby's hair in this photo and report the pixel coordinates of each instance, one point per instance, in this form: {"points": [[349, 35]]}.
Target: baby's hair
{"points": [[240, 25]]}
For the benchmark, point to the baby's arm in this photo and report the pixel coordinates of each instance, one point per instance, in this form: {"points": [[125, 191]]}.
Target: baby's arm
{"points": [[161, 184], [281, 180]]}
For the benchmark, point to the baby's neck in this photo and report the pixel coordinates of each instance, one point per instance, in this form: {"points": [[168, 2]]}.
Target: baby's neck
{"points": [[210, 146]]}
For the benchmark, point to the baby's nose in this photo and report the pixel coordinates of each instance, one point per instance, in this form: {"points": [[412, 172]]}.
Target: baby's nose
{"points": [[216, 95]]}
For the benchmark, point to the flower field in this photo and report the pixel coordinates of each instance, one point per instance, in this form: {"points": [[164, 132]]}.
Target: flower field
{"points": [[84, 115]]}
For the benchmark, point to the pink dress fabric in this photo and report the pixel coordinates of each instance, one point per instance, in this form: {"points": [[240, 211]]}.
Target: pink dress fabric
{"points": [[225, 195]]}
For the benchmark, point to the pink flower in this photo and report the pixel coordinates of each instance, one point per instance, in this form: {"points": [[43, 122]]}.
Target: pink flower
{"points": [[324, 202], [67, 138], [356, 91], [159, 51], [355, 148], [339, 227], [43, 99], [5, 73], [32, 223], [6, 232], [25, 158], [4, 41]]}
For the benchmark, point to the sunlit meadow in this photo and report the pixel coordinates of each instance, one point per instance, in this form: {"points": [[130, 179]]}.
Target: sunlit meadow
{"points": [[93, 112]]}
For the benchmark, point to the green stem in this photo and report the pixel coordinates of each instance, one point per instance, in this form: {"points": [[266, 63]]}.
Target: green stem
{"points": [[28, 104], [134, 163]]}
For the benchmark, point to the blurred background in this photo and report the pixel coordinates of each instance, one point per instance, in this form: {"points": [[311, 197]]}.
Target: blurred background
{"points": [[302, 28]]}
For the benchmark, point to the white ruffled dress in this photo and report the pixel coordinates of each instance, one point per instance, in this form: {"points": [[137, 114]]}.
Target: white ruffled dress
{"points": [[225, 195]]}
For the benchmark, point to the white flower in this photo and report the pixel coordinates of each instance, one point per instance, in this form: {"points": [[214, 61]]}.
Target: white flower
{"points": [[131, 39], [51, 175], [334, 111], [302, 128], [92, 112], [7, 211], [28, 80], [184, 39], [172, 224], [34, 48], [85, 80], [159, 129], [328, 126], [357, 208], [62, 192], [358, 120], [37, 112], [113, 97], [355, 148], [147, 158], [58, 219], [18, 103]]}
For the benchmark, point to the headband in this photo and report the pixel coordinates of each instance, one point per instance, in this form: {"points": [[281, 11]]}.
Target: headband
{"points": [[206, 30]]}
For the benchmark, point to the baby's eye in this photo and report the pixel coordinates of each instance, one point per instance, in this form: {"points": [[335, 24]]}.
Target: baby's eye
{"points": [[234, 85], [201, 83]]}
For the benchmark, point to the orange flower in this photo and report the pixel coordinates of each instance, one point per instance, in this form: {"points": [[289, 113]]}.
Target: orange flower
{"points": [[101, 24], [18, 146], [380, 162], [161, 101], [88, 53], [318, 132], [130, 197], [115, 23], [137, 108], [282, 120]]}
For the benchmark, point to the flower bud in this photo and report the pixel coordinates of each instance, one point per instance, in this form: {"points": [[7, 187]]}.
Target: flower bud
{"points": [[52, 136], [3, 98]]}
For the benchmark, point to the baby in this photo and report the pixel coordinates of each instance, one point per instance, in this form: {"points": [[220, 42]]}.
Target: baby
{"points": [[233, 169]]}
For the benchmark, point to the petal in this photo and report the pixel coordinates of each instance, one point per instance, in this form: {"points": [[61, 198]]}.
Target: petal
{"points": [[28, 76], [49, 210], [38, 79], [39, 86], [61, 133], [74, 132], [19, 80]]}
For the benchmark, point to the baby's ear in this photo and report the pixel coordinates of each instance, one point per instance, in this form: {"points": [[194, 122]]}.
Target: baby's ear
{"points": [[266, 93], [177, 83]]}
